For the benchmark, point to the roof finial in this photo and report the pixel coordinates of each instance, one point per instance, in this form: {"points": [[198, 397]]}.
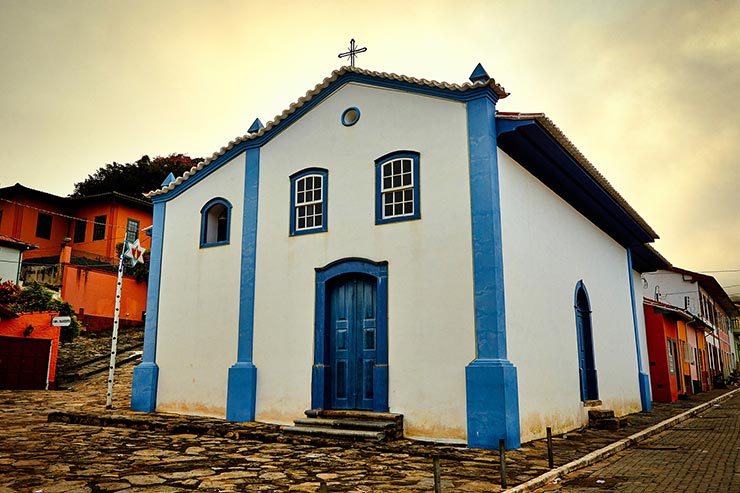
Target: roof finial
{"points": [[170, 178], [352, 53], [256, 126], [479, 74]]}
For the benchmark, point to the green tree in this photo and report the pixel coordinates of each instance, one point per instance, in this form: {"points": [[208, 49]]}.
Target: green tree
{"points": [[134, 179]]}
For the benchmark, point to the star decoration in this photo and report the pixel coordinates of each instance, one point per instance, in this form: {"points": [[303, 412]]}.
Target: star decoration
{"points": [[134, 252]]}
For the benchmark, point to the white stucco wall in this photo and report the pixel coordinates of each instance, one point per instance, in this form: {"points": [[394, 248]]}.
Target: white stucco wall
{"points": [[641, 327], [10, 258], [673, 289], [431, 335], [548, 247], [197, 327]]}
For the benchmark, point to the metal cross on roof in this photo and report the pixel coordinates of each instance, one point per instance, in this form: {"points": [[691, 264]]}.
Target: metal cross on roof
{"points": [[352, 53]]}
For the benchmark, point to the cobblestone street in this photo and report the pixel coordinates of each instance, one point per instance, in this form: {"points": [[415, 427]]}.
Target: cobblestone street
{"points": [[175, 453], [699, 455]]}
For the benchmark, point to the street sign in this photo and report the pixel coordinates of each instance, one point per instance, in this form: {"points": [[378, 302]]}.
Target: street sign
{"points": [[61, 321]]}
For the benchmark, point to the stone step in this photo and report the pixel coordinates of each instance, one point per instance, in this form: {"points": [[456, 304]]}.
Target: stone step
{"points": [[595, 414], [353, 414], [347, 424], [322, 431]]}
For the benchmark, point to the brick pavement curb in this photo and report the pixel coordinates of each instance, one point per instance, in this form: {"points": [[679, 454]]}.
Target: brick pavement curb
{"points": [[609, 450]]}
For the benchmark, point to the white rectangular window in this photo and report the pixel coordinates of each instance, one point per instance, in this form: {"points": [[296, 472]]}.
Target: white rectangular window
{"points": [[309, 202], [398, 188]]}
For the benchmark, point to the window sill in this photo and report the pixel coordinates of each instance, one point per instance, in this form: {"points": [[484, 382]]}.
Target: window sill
{"points": [[218, 243]]}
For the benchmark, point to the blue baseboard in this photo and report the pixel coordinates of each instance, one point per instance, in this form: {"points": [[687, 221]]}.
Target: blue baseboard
{"points": [[242, 393], [492, 397], [144, 387]]}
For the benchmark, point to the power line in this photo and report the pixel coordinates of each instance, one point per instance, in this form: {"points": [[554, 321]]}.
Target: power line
{"points": [[59, 214]]}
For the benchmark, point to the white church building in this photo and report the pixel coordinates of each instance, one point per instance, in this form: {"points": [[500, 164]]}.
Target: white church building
{"points": [[394, 244]]}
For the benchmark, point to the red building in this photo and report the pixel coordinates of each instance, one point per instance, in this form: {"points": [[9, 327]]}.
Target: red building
{"points": [[77, 252], [28, 350]]}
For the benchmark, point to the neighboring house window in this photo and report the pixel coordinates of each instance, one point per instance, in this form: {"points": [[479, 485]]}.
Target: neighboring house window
{"points": [[132, 230], [308, 194], [397, 187], [43, 226], [99, 228], [80, 230], [215, 223], [1, 217], [671, 365]]}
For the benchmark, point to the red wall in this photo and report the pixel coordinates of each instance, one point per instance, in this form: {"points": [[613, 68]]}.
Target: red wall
{"points": [[94, 291], [116, 215], [41, 321], [659, 327], [20, 222]]}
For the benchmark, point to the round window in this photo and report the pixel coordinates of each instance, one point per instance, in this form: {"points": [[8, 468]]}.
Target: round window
{"points": [[350, 116]]}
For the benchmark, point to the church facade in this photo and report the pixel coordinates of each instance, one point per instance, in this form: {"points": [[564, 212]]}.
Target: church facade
{"points": [[395, 244]]}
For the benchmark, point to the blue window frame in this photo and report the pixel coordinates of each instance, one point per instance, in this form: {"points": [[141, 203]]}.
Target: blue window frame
{"points": [[215, 223], [308, 200], [397, 187]]}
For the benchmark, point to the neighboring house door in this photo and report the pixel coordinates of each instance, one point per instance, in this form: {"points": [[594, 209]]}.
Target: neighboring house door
{"points": [[584, 331], [24, 363], [352, 341]]}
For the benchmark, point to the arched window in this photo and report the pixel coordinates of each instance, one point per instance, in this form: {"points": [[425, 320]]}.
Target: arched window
{"points": [[584, 333], [308, 194], [215, 223], [397, 187]]}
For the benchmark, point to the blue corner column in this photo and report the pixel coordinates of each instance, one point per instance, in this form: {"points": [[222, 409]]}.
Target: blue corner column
{"points": [[241, 396], [144, 385], [641, 375], [491, 381]]}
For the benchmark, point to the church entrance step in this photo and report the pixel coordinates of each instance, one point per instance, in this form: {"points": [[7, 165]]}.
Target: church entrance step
{"points": [[604, 419], [349, 424]]}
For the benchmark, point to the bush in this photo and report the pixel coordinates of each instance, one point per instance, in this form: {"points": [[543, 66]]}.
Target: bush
{"points": [[36, 298], [9, 292]]}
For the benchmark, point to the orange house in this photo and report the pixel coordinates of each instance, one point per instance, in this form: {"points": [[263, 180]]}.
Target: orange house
{"points": [[663, 323], [81, 235], [28, 350]]}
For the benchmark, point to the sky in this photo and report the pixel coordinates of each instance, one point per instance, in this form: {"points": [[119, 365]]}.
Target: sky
{"points": [[648, 91]]}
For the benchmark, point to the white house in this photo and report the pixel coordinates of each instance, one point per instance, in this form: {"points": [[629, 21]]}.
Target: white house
{"points": [[11, 257], [393, 244]]}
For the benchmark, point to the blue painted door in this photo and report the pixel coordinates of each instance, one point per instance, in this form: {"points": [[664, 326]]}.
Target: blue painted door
{"points": [[586, 360], [353, 342]]}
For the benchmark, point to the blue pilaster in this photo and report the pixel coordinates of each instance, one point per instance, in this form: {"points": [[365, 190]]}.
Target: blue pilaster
{"points": [[491, 380], [242, 389], [144, 385], [642, 377]]}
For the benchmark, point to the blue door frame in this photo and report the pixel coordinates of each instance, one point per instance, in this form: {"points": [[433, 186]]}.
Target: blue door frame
{"points": [[584, 332], [343, 275]]}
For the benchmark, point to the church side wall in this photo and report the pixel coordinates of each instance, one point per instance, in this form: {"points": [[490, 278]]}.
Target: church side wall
{"points": [[548, 247], [199, 299], [430, 313]]}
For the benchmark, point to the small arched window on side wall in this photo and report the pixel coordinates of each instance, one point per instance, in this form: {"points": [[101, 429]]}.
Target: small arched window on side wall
{"points": [[215, 223]]}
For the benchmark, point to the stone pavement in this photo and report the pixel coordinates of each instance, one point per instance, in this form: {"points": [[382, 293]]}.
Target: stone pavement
{"points": [[167, 453], [699, 455]]}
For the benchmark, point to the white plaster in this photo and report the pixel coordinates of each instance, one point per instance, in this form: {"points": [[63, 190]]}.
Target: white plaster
{"points": [[10, 258], [431, 327], [548, 247], [641, 327], [199, 299]]}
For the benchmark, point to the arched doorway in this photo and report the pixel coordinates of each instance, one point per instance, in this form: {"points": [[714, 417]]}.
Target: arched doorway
{"points": [[584, 332], [350, 368]]}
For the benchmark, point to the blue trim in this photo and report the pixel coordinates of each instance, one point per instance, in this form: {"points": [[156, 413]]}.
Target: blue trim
{"points": [[479, 74], [642, 377], [585, 338], [320, 390], [344, 116], [146, 374], [492, 394], [532, 146], [324, 203], [256, 126], [485, 92], [379, 162], [204, 222], [241, 397]]}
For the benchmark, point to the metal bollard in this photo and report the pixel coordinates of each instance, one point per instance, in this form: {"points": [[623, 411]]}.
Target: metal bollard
{"points": [[437, 476], [502, 462], [550, 462]]}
